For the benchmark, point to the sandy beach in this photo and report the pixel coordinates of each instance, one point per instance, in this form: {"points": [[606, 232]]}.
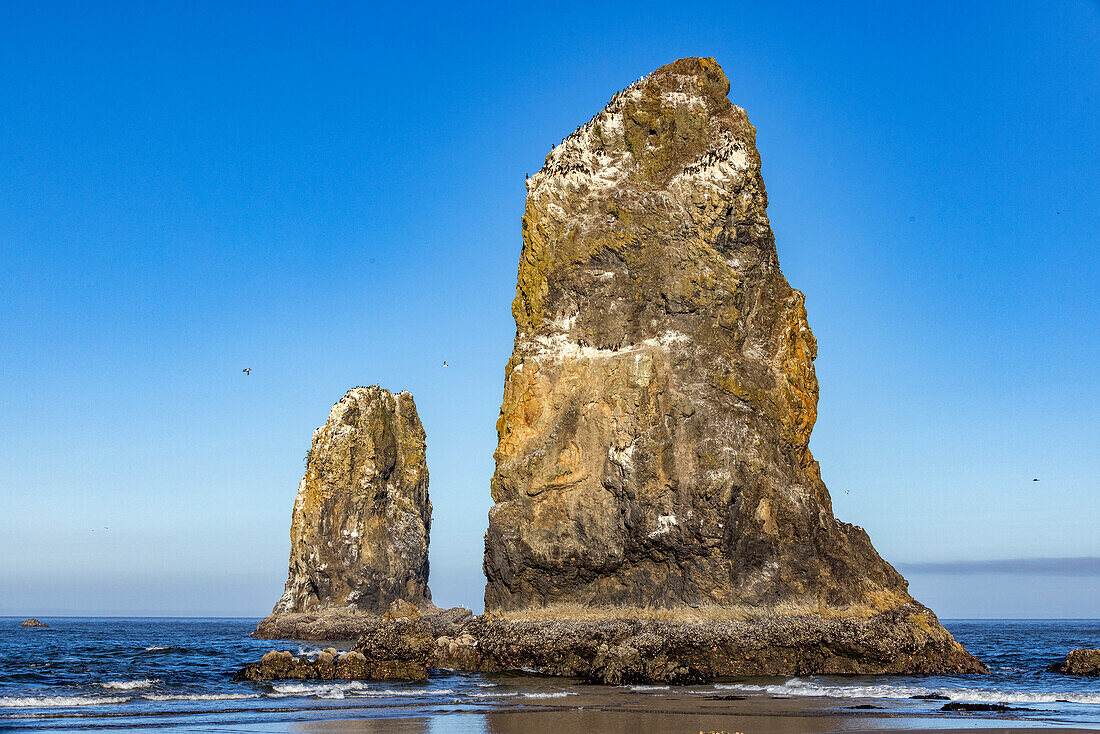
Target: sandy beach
{"points": [[616, 711]]}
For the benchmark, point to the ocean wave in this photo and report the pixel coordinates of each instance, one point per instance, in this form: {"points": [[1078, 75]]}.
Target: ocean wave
{"points": [[200, 696], [554, 694], [129, 685], [799, 687], [58, 701], [646, 689], [165, 649], [311, 651], [357, 689]]}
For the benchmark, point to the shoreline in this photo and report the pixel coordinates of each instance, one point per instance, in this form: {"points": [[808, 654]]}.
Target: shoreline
{"points": [[615, 710]]}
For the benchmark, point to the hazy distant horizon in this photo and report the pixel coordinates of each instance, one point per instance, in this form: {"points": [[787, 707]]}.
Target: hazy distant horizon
{"points": [[331, 197], [954, 585]]}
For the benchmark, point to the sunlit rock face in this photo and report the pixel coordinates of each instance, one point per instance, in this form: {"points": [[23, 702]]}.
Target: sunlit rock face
{"points": [[653, 437], [359, 532]]}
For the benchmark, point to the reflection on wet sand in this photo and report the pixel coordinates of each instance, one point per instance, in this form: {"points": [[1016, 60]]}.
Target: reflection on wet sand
{"points": [[457, 723], [636, 722], [620, 712]]}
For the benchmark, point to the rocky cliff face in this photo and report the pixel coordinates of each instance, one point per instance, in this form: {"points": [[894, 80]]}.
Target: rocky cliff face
{"points": [[359, 532], [653, 438]]}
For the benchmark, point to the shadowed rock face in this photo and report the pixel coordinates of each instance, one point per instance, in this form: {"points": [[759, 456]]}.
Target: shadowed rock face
{"points": [[359, 532], [653, 438]]}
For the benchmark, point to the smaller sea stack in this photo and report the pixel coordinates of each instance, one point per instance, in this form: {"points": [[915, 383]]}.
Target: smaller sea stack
{"points": [[359, 531]]}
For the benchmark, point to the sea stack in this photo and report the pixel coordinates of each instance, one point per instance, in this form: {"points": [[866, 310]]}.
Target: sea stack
{"points": [[653, 456], [359, 530]]}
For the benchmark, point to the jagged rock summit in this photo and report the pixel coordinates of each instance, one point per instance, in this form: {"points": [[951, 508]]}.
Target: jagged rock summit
{"points": [[653, 438], [359, 531]]}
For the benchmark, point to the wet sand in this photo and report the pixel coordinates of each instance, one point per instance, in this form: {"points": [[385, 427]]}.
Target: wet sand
{"points": [[629, 713]]}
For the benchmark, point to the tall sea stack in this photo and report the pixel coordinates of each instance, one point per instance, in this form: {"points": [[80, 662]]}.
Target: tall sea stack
{"points": [[653, 439], [359, 531]]}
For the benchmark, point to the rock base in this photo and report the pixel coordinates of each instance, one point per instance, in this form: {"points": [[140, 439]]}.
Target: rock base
{"points": [[906, 640], [339, 625], [1079, 662]]}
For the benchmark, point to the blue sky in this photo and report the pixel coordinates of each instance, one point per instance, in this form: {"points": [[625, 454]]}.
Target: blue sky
{"points": [[330, 195]]}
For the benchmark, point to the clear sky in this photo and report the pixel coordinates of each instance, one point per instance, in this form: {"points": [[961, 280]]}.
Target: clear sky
{"points": [[330, 195]]}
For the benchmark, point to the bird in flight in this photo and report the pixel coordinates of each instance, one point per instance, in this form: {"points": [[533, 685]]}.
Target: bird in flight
{"points": [[847, 491], [1035, 480], [247, 370], [444, 363]]}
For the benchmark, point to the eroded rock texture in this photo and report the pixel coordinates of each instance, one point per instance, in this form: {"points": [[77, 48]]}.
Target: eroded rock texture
{"points": [[359, 532], [1079, 662], [653, 438]]}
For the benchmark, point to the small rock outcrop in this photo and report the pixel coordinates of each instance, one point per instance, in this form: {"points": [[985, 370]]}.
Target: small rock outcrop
{"points": [[33, 623], [330, 665], [360, 526], [1079, 662]]}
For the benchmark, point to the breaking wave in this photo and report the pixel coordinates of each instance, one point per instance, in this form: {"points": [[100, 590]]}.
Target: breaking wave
{"points": [[58, 701], [200, 696], [555, 694], [799, 687], [356, 689], [129, 685]]}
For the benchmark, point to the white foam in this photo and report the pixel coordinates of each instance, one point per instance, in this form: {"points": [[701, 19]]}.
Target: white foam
{"points": [[57, 701], [644, 689], [798, 687], [356, 689], [555, 694], [200, 696], [129, 685], [310, 651], [156, 648]]}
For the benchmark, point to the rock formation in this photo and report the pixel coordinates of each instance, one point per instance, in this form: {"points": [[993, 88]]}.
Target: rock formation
{"points": [[619, 652], [658, 515], [1079, 662], [33, 623], [653, 439], [359, 531]]}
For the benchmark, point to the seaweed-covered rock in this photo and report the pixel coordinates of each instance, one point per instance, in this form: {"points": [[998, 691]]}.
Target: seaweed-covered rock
{"points": [[359, 531]]}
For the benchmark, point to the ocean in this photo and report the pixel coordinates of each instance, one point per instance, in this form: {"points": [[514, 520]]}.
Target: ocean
{"points": [[121, 674]]}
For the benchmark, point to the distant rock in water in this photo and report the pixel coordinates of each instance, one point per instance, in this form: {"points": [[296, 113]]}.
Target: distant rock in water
{"points": [[1079, 662], [654, 434], [33, 623], [359, 531]]}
